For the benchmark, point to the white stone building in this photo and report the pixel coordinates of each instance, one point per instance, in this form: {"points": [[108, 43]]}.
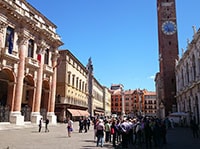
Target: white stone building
{"points": [[188, 79], [28, 58]]}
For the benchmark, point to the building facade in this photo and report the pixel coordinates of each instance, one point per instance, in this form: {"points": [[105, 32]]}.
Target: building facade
{"points": [[168, 54], [136, 102], [98, 98], [107, 101], [188, 79], [72, 87], [78, 92], [150, 103], [28, 58]]}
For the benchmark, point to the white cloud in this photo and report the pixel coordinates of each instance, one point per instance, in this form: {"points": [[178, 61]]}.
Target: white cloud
{"points": [[152, 77]]}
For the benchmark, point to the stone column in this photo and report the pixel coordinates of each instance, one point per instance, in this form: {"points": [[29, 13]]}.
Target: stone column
{"points": [[35, 115], [2, 29], [51, 115], [15, 116], [2, 42]]}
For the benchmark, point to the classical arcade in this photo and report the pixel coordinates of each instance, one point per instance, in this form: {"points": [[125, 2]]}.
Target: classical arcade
{"points": [[28, 64]]}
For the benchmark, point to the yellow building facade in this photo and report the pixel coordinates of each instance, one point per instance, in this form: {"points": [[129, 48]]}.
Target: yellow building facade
{"points": [[73, 98], [71, 87]]}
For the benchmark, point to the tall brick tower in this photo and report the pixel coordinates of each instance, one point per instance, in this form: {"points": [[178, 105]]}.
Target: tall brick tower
{"points": [[168, 52]]}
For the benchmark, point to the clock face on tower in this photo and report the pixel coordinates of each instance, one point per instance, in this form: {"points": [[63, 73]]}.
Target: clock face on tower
{"points": [[169, 27]]}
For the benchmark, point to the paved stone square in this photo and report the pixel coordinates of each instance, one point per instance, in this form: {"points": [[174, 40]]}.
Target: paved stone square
{"points": [[28, 137]]}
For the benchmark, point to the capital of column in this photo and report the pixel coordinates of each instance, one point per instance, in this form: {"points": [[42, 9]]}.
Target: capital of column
{"points": [[2, 26], [22, 36], [42, 45]]}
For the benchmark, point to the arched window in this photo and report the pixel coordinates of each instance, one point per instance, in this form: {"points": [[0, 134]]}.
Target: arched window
{"points": [[193, 67], [182, 78], [187, 73]]}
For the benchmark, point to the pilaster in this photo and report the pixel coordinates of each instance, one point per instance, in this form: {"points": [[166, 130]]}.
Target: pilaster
{"points": [[51, 115], [2, 30], [16, 116], [35, 116]]}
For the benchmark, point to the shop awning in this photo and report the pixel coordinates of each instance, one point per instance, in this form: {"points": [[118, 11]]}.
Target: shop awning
{"points": [[76, 112], [84, 113]]}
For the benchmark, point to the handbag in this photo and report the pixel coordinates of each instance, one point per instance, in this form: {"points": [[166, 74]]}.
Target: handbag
{"points": [[112, 131]]}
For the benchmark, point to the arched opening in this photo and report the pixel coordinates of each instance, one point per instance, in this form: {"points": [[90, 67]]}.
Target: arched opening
{"points": [[45, 102], [27, 97], [6, 94]]}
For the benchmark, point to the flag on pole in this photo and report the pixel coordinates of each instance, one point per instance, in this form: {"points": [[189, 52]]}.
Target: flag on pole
{"points": [[39, 57], [10, 42]]}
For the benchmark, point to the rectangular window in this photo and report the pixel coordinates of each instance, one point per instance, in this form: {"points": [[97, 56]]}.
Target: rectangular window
{"points": [[77, 82], [46, 56], [30, 48], [9, 39], [73, 80], [69, 78]]}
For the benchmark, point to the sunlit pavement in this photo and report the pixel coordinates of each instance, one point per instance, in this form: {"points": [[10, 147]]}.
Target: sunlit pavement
{"points": [[28, 137]]}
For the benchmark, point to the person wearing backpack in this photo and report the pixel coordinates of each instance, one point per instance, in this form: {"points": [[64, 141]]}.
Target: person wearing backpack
{"points": [[100, 133]]}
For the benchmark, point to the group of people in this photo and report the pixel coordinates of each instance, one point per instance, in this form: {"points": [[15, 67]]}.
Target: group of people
{"points": [[69, 125], [46, 124], [84, 124], [129, 132], [138, 131]]}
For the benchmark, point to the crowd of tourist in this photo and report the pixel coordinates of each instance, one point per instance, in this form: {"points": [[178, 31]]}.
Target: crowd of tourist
{"points": [[137, 131], [148, 132]]}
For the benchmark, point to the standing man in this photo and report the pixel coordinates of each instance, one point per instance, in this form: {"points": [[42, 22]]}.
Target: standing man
{"points": [[80, 125], [46, 125], [88, 123], [40, 125], [85, 124]]}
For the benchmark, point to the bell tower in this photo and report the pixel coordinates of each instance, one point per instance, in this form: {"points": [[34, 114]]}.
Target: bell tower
{"points": [[168, 52]]}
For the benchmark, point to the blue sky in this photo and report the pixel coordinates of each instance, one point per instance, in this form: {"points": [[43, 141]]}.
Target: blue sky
{"points": [[120, 36]]}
